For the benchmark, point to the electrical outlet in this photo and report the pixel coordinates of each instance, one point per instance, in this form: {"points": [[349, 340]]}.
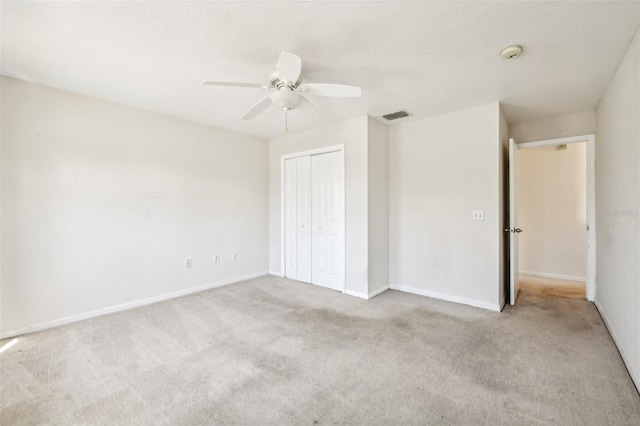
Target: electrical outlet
{"points": [[216, 258], [478, 215], [188, 264], [234, 256]]}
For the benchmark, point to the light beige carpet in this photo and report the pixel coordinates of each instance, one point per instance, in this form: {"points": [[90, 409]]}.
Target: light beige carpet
{"points": [[274, 351]]}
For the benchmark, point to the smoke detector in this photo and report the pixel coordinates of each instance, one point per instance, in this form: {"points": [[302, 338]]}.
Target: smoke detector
{"points": [[511, 52]]}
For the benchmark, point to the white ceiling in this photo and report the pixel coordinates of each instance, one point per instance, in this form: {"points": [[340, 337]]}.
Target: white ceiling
{"points": [[426, 57]]}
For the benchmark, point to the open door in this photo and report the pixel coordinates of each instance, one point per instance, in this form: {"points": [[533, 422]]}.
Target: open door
{"points": [[513, 222]]}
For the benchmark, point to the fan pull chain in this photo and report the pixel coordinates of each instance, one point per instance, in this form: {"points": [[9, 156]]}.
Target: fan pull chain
{"points": [[286, 121]]}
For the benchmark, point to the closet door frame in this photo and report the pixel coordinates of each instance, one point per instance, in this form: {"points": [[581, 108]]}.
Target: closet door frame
{"points": [[317, 151]]}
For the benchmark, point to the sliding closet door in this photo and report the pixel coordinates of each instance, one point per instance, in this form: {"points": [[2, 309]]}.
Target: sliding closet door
{"points": [[327, 188], [291, 218], [297, 207], [303, 197]]}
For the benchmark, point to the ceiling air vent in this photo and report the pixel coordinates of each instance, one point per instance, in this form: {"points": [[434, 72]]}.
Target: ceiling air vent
{"points": [[396, 115]]}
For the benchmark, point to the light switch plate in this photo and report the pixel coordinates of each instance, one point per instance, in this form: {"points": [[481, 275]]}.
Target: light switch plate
{"points": [[478, 215]]}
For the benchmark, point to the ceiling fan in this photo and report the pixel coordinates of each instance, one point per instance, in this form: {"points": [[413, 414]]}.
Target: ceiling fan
{"points": [[287, 89]]}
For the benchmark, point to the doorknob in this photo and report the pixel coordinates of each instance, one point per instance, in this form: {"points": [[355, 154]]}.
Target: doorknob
{"points": [[516, 230]]}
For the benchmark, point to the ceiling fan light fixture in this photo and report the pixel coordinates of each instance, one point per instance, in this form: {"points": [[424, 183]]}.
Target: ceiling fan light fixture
{"points": [[286, 99], [285, 85]]}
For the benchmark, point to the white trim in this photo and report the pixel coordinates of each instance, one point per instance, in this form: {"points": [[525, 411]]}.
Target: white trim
{"points": [[558, 141], [448, 298], [125, 306], [316, 151], [276, 273], [367, 296], [635, 374], [378, 291], [554, 276], [590, 139], [357, 294]]}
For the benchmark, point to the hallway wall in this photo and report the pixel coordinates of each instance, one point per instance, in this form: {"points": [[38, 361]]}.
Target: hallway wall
{"points": [[552, 190]]}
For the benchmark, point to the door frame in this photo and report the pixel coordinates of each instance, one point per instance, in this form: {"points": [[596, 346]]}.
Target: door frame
{"points": [[316, 151], [590, 139]]}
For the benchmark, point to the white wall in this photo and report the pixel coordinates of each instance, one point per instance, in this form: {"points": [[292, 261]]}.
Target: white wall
{"points": [[441, 169], [618, 208], [560, 126], [102, 204], [552, 203], [353, 134], [378, 168]]}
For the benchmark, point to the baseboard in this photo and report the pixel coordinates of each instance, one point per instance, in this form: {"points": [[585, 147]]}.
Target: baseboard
{"points": [[357, 294], [366, 296], [632, 369], [448, 298], [276, 273], [378, 291], [503, 301], [125, 306], [554, 276]]}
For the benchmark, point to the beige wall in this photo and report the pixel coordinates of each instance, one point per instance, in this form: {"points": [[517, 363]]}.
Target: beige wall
{"points": [[552, 207], [618, 208], [378, 169], [441, 169], [560, 126], [102, 204]]}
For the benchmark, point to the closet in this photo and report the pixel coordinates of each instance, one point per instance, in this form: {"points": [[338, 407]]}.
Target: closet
{"points": [[314, 219]]}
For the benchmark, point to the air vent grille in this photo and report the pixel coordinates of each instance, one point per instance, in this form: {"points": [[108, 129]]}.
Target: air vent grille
{"points": [[396, 115]]}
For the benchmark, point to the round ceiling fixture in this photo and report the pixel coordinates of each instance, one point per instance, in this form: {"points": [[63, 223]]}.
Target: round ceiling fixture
{"points": [[511, 52]]}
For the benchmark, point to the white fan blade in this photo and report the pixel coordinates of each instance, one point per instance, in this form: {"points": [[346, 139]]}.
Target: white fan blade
{"points": [[308, 102], [334, 90], [234, 84], [289, 67], [257, 108]]}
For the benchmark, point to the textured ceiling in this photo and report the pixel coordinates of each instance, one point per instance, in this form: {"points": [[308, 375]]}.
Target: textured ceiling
{"points": [[426, 57]]}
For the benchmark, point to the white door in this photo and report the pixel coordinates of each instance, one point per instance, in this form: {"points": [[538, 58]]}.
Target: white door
{"points": [[303, 197], [291, 218], [297, 206], [513, 222], [327, 187]]}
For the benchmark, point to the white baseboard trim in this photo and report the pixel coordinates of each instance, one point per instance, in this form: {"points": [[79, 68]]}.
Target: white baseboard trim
{"points": [[632, 369], [125, 306], [357, 294], [554, 276], [378, 291], [366, 296], [276, 273], [448, 298]]}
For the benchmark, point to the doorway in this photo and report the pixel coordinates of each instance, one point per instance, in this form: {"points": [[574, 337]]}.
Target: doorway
{"points": [[552, 206], [557, 264], [313, 217]]}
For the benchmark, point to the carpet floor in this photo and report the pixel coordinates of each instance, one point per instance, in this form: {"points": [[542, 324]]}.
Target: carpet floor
{"points": [[275, 351]]}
